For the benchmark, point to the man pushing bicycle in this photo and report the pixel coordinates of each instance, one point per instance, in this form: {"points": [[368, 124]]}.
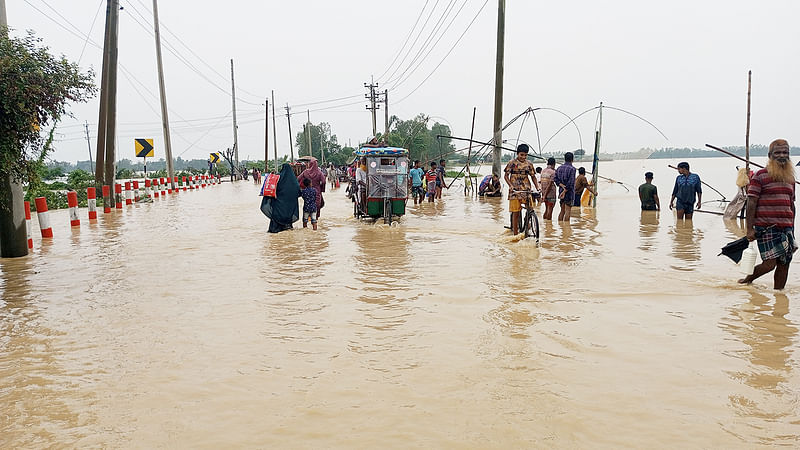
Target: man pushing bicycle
{"points": [[519, 174]]}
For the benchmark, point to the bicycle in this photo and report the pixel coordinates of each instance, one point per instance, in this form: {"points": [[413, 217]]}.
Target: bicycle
{"points": [[530, 223]]}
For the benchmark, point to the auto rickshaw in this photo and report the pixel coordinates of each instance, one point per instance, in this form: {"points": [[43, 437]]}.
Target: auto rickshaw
{"points": [[387, 184]]}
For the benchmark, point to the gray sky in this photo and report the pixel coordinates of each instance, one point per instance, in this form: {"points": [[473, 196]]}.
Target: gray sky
{"points": [[681, 64]]}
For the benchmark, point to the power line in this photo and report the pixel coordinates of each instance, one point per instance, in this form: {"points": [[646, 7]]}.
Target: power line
{"points": [[428, 39], [224, 77], [448, 53], [430, 50], [415, 39], [400, 52]]}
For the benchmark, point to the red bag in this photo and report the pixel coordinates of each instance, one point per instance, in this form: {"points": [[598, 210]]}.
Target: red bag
{"points": [[270, 185]]}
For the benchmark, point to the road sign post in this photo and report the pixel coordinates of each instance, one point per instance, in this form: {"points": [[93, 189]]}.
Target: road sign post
{"points": [[144, 148]]}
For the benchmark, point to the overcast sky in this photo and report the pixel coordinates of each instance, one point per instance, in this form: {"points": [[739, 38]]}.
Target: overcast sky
{"points": [[680, 64]]}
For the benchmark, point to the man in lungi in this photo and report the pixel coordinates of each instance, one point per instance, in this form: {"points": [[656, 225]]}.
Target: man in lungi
{"points": [[770, 214]]}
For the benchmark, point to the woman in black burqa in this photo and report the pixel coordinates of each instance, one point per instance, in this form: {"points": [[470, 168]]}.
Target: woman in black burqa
{"points": [[283, 209]]}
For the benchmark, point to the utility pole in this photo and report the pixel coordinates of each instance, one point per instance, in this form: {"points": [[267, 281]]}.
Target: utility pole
{"points": [[162, 89], [308, 132], [498, 88], [291, 144], [274, 133], [372, 104], [86, 127], [322, 143], [99, 177], [13, 237], [111, 98], [235, 127], [386, 113], [266, 139]]}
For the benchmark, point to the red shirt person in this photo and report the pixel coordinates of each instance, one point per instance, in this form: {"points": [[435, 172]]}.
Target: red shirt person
{"points": [[770, 214]]}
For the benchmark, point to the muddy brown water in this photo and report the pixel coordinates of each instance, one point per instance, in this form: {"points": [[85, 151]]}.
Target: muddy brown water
{"points": [[183, 324]]}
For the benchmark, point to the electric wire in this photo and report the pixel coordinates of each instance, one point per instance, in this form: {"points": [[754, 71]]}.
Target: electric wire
{"points": [[446, 55], [408, 36], [434, 31], [432, 47]]}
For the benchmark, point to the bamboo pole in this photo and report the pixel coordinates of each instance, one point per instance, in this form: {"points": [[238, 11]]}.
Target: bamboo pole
{"points": [[469, 152], [747, 133]]}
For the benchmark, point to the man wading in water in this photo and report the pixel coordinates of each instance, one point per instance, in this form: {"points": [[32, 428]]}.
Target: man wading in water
{"points": [[687, 185], [770, 214]]}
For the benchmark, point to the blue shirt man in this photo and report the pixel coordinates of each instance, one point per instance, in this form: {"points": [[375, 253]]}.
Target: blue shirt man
{"points": [[687, 186], [565, 180]]}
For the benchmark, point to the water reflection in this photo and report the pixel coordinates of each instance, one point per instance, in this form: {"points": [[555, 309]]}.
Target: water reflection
{"points": [[768, 336], [735, 227], [686, 245], [648, 228]]}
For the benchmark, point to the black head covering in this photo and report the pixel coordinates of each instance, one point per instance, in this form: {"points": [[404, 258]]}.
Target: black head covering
{"points": [[733, 250], [283, 210]]}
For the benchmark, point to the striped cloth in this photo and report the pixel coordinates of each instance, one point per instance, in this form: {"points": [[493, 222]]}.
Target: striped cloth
{"points": [[776, 243], [774, 200]]}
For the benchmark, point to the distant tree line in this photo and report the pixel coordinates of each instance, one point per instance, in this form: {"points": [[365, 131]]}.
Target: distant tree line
{"points": [[676, 153]]}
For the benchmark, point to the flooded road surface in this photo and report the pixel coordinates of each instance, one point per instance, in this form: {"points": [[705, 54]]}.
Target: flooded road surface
{"points": [[182, 323]]}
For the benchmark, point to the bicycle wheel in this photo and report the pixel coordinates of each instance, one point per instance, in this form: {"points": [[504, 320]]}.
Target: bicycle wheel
{"points": [[531, 226]]}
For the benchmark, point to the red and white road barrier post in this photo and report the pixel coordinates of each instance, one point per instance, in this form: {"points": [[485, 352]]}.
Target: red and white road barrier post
{"points": [[91, 200], [28, 224], [72, 201], [176, 185], [44, 217], [146, 188], [203, 181], [169, 185], [107, 199], [163, 183], [136, 191], [128, 193], [118, 195], [183, 182], [155, 188]]}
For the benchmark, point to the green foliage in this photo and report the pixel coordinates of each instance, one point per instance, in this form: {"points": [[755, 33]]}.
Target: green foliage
{"points": [[79, 179], [55, 199], [36, 87], [124, 174], [323, 140], [420, 140]]}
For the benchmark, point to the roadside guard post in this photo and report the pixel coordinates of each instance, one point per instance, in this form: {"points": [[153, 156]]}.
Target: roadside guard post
{"points": [[43, 216], [118, 196], [72, 201], [106, 199], [28, 224], [136, 191], [91, 200], [128, 200]]}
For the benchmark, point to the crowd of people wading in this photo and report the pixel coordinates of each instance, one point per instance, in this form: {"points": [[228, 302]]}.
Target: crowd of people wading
{"points": [[769, 194]]}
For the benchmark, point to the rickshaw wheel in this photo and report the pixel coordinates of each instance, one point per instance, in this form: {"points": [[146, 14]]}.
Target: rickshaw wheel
{"points": [[387, 211]]}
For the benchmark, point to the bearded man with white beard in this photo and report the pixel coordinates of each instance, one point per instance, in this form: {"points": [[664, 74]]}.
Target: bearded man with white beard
{"points": [[770, 214]]}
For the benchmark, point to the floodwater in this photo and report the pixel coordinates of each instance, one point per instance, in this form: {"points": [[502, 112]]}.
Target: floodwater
{"points": [[183, 324]]}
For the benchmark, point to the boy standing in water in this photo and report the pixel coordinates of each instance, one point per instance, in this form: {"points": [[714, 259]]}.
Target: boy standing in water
{"points": [[309, 204], [430, 177], [648, 194], [416, 175]]}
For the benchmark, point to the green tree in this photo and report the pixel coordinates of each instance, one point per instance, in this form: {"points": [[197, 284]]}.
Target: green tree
{"points": [[35, 87]]}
